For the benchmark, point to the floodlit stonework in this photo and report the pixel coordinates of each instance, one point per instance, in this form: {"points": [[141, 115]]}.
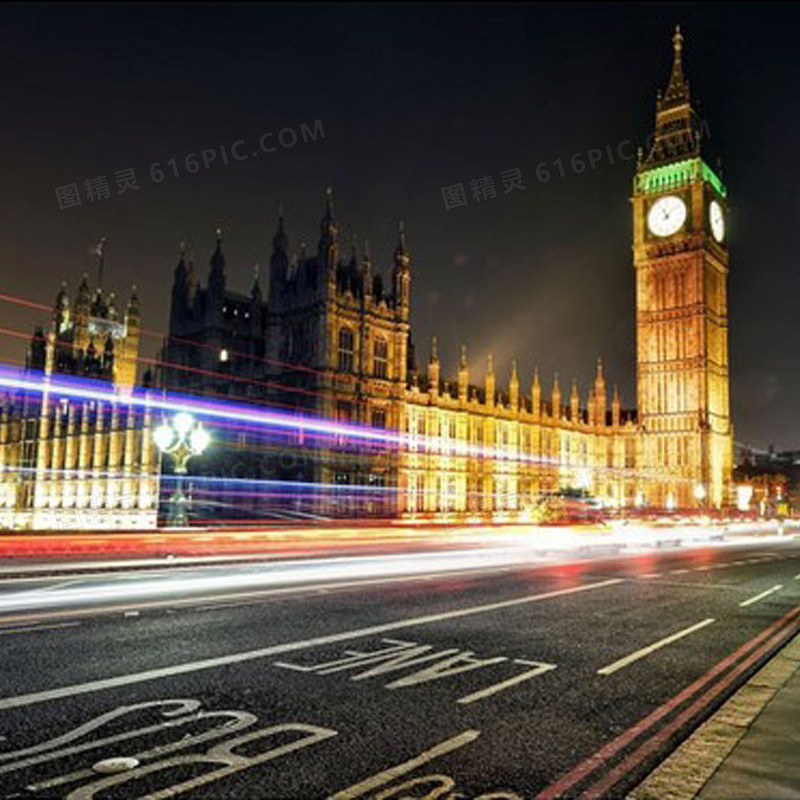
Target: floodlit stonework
{"points": [[69, 464], [334, 339]]}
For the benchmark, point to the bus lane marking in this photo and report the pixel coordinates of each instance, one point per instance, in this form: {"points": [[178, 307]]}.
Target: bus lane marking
{"points": [[401, 655], [71, 690]]}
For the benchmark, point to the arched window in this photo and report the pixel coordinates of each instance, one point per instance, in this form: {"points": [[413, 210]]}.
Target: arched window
{"points": [[346, 350], [381, 358]]}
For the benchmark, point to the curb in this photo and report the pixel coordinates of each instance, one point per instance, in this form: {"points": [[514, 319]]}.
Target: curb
{"points": [[684, 774]]}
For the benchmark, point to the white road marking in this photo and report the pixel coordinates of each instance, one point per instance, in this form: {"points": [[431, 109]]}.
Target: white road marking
{"points": [[645, 651], [288, 647], [679, 571], [387, 776], [33, 628], [797, 577], [761, 596], [651, 575], [538, 669]]}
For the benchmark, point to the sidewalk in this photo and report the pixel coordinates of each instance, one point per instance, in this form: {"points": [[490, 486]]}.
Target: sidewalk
{"points": [[749, 749], [766, 762]]}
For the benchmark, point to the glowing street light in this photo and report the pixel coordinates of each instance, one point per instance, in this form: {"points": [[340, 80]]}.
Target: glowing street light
{"points": [[182, 438], [700, 492], [744, 493]]}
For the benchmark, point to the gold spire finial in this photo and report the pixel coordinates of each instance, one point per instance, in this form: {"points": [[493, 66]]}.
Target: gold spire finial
{"points": [[676, 88], [677, 40]]}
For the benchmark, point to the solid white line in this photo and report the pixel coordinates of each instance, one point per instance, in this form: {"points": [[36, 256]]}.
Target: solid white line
{"points": [[289, 647], [382, 778], [761, 596], [30, 628], [651, 575], [645, 651]]}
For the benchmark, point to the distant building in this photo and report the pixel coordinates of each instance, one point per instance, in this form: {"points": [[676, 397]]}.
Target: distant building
{"points": [[71, 464]]}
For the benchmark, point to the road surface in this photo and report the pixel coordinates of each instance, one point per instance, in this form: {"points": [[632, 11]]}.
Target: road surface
{"points": [[511, 677]]}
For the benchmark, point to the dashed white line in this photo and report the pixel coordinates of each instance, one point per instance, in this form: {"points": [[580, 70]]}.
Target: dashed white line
{"points": [[761, 596], [645, 651]]}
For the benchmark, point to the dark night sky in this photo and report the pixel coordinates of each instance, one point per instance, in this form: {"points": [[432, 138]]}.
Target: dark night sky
{"points": [[412, 98]]}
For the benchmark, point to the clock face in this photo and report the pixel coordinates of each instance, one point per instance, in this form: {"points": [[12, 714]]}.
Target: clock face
{"points": [[717, 220], [666, 216]]}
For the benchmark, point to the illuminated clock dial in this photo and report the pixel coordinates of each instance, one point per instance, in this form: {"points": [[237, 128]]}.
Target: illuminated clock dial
{"points": [[717, 220], [666, 216]]}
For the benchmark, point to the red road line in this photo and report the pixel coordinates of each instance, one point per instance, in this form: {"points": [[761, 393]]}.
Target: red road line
{"points": [[599, 789], [605, 753]]}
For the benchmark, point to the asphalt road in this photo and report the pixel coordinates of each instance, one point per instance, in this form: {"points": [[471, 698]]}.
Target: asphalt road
{"points": [[497, 680]]}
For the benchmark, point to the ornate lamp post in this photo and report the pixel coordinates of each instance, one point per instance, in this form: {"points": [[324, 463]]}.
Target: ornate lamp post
{"points": [[700, 494], [182, 438]]}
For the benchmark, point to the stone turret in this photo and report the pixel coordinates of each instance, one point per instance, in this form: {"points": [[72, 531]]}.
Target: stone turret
{"points": [[463, 376]]}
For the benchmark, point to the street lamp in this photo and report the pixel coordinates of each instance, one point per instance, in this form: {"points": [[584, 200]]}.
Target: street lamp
{"points": [[182, 438], [700, 493]]}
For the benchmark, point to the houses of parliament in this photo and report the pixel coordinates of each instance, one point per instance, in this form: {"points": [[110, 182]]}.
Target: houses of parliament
{"points": [[329, 335]]}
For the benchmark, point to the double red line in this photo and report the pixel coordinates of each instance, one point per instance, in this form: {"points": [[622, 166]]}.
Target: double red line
{"points": [[731, 668]]}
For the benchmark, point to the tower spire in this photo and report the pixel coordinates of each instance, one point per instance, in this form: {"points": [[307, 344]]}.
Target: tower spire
{"points": [[216, 276], [280, 241], [677, 88], [328, 241], [402, 258], [678, 131], [100, 252]]}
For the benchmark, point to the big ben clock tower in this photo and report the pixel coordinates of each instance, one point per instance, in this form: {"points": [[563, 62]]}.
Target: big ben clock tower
{"points": [[680, 248]]}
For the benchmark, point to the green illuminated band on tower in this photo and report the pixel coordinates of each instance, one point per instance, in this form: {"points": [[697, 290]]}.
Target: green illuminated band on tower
{"points": [[670, 176]]}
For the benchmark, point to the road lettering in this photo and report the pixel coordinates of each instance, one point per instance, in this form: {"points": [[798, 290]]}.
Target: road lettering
{"points": [[427, 664], [190, 726]]}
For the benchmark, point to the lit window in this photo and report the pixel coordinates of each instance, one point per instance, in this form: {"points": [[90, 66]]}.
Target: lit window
{"points": [[344, 411], [346, 350], [223, 354], [381, 357]]}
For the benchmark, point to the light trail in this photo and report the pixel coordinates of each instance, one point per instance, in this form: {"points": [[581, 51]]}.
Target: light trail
{"points": [[67, 386], [525, 549]]}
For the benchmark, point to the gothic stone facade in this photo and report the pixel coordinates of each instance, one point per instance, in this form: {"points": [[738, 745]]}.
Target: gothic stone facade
{"points": [[333, 339], [74, 464]]}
